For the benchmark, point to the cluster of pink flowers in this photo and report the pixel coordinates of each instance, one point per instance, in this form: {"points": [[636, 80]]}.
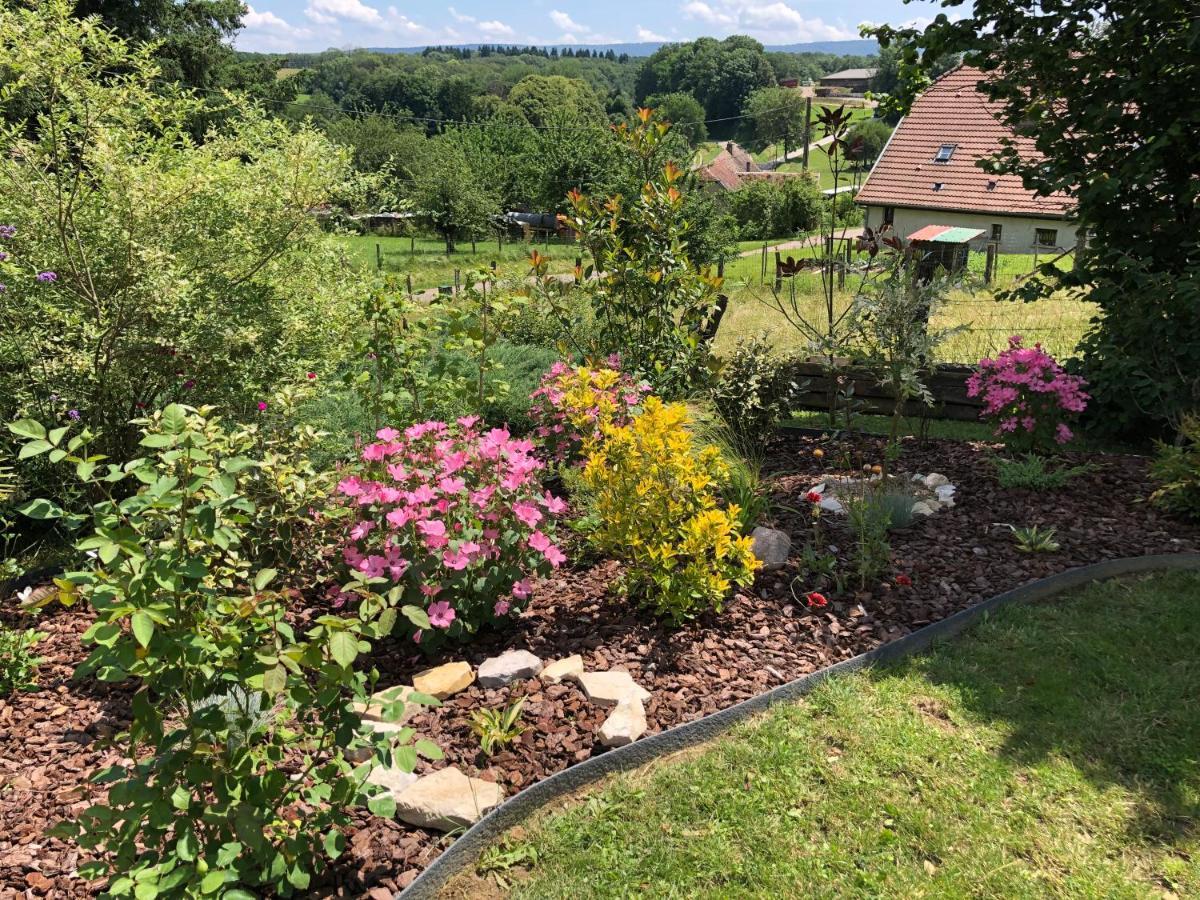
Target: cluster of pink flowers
{"points": [[572, 404], [1028, 395], [454, 516]]}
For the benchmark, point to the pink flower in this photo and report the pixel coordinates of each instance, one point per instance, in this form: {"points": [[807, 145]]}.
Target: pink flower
{"points": [[452, 485], [387, 435], [522, 589], [350, 487], [361, 529], [554, 505], [554, 556], [456, 559], [501, 608], [417, 636], [262, 406], [527, 513], [441, 614], [539, 542]]}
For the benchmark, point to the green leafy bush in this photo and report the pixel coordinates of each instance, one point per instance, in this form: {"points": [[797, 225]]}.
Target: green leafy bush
{"points": [[770, 209], [1176, 469], [754, 390], [18, 665], [232, 700]]}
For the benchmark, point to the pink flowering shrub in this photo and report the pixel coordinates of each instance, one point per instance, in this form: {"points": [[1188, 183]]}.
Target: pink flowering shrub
{"points": [[574, 404], [1028, 395], [455, 520]]}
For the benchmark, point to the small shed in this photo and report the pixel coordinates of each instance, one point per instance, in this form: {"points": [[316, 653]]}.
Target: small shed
{"points": [[943, 247]]}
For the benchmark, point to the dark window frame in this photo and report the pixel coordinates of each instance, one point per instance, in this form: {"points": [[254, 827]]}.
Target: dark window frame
{"points": [[1038, 233], [997, 232], [889, 215], [944, 153]]}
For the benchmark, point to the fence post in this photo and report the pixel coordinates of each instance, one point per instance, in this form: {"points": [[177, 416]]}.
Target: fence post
{"points": [[989, 266], [378, 258], [763, 274], [807, 128], [472, 246], [721, 266], [408, 279], [412, 244], [456, 278]]}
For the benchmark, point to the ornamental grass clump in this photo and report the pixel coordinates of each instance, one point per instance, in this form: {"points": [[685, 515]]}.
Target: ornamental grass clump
{"points": [[1028, 396], [655, 507], [573, 403], [455, 521]]}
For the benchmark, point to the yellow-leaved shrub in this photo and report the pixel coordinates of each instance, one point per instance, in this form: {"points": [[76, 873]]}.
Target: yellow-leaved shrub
{"points": [[655, 507]]}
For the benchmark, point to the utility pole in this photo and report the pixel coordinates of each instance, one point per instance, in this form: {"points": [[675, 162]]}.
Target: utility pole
{"points": [[807, 128]]}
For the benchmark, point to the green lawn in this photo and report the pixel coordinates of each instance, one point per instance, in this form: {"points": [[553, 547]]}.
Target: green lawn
{"points": [[426, 259], [1050, 752]]}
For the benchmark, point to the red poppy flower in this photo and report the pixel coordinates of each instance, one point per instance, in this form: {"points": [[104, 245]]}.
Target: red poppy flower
{"points": [[816, 600], [903, 580], [311, 376], [812, 497]]}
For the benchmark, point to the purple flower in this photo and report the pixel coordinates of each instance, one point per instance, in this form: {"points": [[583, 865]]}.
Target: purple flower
{"points": [[189, 384], [7, 231], [3, 256], [3, 288], [73, 415], [47, 276]]}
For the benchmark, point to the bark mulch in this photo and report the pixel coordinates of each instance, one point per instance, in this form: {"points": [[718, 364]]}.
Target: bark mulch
{"points": [[51, 739]]}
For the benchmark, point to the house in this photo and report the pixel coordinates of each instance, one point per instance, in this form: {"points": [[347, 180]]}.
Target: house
{"points": [[734, 166], [927, 175], [855, 81]]}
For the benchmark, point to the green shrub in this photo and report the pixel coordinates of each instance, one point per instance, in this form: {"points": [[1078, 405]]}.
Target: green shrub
{"points": [[18, 665], [1176, 469], [227, 693], [770, 209], [754, 390], [1035, 473]]}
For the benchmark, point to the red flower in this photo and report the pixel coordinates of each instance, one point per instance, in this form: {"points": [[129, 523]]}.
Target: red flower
{"points": [[903, 580], [813, 497], [262, 406], [311, 375], [816, 600]]}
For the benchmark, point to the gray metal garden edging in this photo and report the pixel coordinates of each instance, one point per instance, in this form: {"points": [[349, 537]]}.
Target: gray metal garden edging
{"points": [[466, 850]]}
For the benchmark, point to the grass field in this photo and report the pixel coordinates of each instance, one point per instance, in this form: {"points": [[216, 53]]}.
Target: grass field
{"points": [[430, 266], [1051, 752]]}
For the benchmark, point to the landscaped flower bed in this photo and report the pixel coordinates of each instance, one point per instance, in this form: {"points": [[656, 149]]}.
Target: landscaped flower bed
{"points": [[53, 738]]}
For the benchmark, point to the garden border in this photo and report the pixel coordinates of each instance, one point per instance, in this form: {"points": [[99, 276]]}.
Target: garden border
{"points": [[467, 849]]}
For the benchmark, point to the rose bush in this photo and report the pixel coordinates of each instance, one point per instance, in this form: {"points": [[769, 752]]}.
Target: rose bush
{"points": [[454, 517], [1028, 396], [573, 404]]}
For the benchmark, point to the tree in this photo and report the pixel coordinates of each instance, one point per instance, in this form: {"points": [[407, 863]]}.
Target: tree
{"points": [[778, 115], [374, 141], [772, 209], [542, 97], [866, 140], [1107, 115], [449, 196], [683, 111]]}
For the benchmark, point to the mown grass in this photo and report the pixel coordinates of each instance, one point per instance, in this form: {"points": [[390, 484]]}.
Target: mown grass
{"points": [[1050, 752]]}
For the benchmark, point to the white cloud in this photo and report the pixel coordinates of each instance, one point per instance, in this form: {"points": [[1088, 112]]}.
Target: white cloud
{"points": [[327, 12], [565, 22], [457, 16], [645, 34], [771, 20], [496, 28]]}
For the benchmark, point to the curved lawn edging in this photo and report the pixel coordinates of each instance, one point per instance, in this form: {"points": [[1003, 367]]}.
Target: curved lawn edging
{"points": [[466, 850]]}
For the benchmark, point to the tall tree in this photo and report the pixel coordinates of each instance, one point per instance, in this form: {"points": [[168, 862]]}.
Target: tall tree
{"points": [[777, 115], [1106, 90], [449, 196]]}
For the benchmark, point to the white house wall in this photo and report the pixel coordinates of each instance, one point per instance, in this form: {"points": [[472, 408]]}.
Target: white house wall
{"points": [[1017, 232]]}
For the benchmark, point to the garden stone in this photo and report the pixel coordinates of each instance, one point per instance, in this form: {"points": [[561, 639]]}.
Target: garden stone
{"points": [[921, 508], [944, 491], [831, 504], [515, 665], [444, 681], [771, 546], [563, 670], [935, 480], [373, 709], [447, 800], [610, 688], [625, 724], [392, 779]]}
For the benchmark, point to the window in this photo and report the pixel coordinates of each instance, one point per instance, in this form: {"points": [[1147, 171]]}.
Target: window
{"points": [[889, 215], [944, 153], [997, 231], [1046, 237]]}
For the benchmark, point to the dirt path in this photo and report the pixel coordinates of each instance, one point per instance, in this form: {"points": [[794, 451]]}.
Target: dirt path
{"points": [[801, 243]]}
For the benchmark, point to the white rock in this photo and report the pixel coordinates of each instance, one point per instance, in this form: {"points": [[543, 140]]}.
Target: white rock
{"points": [[515, 665], [831, 504], [563, 670], [944, 491], [447, 800], [918, 477], [921, 508], [819, 489], [771, 546], [935, 479], [610, 688], [625, 724], [394, 780]]}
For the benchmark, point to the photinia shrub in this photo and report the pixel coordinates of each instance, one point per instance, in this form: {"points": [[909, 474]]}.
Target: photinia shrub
{"points": [[1028, 396], [573, 404], [655, 506], [453, 518]]}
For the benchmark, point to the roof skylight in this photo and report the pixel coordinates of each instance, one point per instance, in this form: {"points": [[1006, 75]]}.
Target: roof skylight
{"points": [[944, 153]]}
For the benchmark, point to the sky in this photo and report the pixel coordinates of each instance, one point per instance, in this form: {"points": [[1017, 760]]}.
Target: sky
{"points": [[280, 25]]}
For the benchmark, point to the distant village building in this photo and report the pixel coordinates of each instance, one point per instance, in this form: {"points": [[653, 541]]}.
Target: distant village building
{"points": [[734, 166], [927, 175], [855, 81]]}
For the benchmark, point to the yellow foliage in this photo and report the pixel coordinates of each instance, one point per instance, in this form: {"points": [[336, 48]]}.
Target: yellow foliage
{"points": [[655, 506]]}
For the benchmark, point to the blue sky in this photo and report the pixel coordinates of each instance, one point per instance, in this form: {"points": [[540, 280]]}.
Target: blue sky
{"points": [[277, 25]]}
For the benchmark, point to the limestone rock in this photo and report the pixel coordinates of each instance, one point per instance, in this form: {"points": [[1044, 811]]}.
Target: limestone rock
{"points": [[444, 681], [831, 504], [563, 670], [610, 688], [515, 665], [394, 780], [447, 800], [625, 724], [935, 480], [771, 546], [921, 508], [373, 710], [944, 491]]}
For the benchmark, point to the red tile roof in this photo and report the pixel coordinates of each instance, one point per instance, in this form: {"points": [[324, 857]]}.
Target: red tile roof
{"points": [[952, 111], [728, 165]]}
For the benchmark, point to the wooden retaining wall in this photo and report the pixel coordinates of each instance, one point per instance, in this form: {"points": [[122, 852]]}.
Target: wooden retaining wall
{"points": [[947, 383]]}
